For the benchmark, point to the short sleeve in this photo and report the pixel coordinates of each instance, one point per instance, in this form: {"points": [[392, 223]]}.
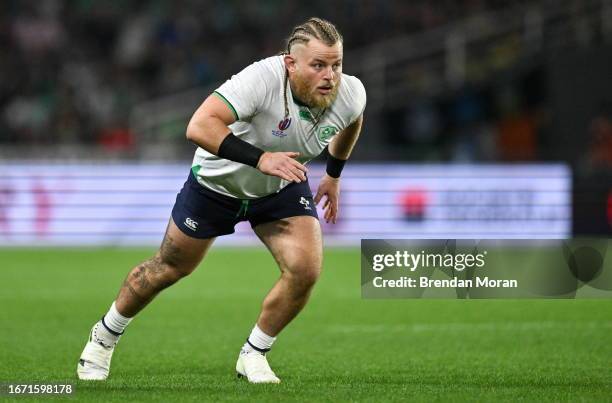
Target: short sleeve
{"points": [[358, 96], [245, 92]]}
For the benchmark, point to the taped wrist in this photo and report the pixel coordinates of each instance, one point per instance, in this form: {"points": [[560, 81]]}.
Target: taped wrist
{"points": [[334, 166], [234, 149]]}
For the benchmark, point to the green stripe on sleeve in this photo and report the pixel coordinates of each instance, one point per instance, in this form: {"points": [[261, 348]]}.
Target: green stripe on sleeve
{"points": [[228, 103]]}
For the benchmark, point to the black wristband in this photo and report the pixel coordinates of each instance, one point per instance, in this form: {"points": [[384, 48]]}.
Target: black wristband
{"points": [[334, 166], [234, 149]]}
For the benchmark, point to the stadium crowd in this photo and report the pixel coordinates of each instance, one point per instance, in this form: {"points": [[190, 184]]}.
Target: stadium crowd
{"points": [[72, 70]]}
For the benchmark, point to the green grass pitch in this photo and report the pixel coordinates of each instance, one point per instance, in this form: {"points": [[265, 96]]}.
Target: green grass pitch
{"points": [[183, 347]]}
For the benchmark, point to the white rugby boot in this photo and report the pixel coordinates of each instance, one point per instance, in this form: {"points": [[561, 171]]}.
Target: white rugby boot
{"points": [[94, 364], [254, 366]]}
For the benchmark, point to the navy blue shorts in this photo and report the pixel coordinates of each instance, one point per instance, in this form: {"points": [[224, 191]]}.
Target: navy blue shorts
{"points": [[202, 213]]}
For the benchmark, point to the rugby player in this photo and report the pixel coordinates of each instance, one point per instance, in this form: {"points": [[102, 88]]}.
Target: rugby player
{"points": [[255, 134]]}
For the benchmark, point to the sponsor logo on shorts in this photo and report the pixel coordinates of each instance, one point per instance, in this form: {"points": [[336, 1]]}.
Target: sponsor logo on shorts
{"points": [[191, 224], [305, 202]]}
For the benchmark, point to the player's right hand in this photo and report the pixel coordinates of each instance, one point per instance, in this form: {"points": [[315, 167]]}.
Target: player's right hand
{"points": [[283, 165]]}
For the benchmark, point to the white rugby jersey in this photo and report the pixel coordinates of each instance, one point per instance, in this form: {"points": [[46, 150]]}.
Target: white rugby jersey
{"points": [[255, 96]]}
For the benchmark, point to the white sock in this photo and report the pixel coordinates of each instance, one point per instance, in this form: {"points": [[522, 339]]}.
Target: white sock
{"points": [[103, 336], [114, 321], [258, 341]]}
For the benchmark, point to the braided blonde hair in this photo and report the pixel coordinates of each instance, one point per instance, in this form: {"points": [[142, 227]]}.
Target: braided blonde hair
{"points": [[318, 28]]}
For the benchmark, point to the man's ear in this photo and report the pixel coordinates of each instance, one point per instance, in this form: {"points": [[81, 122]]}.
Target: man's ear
{"points": [[290, 63]]}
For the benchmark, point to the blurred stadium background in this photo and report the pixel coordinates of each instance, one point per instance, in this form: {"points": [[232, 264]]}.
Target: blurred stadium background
{"points": [[489, 99], [485, 119]]}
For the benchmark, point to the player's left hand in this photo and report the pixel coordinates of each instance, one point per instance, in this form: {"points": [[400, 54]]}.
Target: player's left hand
{"points": [[330, 188]]}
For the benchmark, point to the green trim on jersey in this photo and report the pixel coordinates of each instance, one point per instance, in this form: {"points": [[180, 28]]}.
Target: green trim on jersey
{"points": [[228, 103], [305, 114], [195, 169]]}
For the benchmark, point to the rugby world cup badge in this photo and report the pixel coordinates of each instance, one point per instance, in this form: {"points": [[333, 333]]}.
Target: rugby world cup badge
{"points": [[282, 126]]}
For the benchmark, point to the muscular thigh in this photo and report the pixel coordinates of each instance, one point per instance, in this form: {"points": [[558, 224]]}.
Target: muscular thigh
{"points": [[180, 251], [295, 242]]}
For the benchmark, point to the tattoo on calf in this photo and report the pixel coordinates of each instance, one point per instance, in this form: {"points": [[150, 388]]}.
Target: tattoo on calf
{"points": [[140, 275], [148, 279], [170, 252], [154, 266], [126, 284]]}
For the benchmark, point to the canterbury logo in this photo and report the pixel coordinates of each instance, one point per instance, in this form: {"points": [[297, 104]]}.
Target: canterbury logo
{"points": [[305, 202], [193, 225]]}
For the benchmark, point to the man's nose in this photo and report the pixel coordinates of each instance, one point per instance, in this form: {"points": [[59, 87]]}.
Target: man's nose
{"points": [[329, 74]]}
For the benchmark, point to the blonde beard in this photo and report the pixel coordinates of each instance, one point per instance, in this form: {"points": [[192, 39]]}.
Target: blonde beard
{"points": [[302, 91]]}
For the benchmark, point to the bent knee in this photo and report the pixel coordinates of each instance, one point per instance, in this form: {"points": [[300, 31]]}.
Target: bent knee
{"points": [[304, 275], [164, 274], [173, 274], [178, 268]]}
